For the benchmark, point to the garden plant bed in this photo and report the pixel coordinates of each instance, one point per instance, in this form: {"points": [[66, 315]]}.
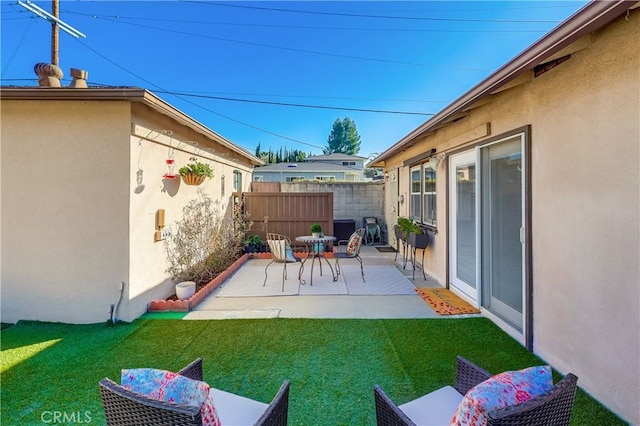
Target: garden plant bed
{"points": [[172, 304]]}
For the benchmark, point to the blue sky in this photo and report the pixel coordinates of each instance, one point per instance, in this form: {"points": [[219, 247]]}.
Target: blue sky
{"points": [[226, 63]]}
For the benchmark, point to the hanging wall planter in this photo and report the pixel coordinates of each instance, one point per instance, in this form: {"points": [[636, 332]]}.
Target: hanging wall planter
{"points": [[195, 172], [193, 179]]}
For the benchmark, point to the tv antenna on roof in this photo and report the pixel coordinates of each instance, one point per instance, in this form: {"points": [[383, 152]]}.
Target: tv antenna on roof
{"points": [[55, 24]]}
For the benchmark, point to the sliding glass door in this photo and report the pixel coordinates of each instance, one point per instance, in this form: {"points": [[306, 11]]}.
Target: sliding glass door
{"points": [[486, 228], [462, 223], [502, 230]]}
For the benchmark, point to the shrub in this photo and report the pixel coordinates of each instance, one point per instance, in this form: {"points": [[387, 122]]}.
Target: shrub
{"points": [[205, 242]]}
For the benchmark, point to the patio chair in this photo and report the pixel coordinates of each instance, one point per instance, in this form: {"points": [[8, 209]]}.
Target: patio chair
{"points": [[438, 407], [124, 407], [281, 252], [351, 250]]}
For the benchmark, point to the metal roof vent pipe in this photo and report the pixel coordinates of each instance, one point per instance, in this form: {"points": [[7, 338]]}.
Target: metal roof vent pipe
{"points": [[49, 75], [79, 78]]}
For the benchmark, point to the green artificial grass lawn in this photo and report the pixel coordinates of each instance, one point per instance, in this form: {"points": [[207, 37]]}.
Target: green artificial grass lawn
{"points": [[332, 364]]}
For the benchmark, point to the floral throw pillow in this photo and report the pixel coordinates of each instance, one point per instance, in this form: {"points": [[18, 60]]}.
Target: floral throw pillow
{"points": [[172, 387], [501, 390], [352, 246]]}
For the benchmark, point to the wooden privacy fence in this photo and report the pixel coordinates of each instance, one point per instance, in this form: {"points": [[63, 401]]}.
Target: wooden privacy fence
{"points": [[288, 213]]}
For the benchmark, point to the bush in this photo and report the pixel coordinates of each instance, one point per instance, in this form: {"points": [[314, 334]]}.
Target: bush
{"points": [[205, 241]]}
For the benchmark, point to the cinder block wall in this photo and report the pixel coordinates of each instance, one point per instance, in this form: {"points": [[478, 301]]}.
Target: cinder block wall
{"points": [[351, 200]]}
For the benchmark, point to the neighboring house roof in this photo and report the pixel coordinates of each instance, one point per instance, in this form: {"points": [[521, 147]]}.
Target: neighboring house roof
{"points": [[306, 168], [337, 156], [132, 94], [591, 17]]}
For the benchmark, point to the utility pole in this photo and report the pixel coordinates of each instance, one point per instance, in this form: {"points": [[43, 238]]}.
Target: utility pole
{"points": [[55, 9], [49, 75]]}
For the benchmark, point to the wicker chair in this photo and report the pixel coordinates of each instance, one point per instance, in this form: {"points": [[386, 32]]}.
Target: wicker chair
{"points": [[280, 248], [123, 407], [352, 250], [552, 408]]}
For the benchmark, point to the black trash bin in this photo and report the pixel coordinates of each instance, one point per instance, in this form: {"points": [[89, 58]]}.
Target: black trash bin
{"points": [[343, 228]]}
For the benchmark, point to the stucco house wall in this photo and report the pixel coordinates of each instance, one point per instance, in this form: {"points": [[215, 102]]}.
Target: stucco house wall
{"points": [[65, 200], [82, 180], [584, 119]]}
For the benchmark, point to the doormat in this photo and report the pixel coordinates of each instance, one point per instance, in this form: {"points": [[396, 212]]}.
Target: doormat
{"points": [[445, 302], [385, 249]]}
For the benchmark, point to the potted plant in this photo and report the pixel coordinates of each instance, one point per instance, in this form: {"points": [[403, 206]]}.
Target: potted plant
{"points": [[412, 233], [185, 289], [316, 230], [195, 172], [407, 226], [252, 244]]}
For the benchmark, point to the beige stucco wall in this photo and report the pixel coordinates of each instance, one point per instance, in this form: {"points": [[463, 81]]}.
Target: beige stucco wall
{"points": [[149, 150], [64, 209], [75, 222], [585, 142]]}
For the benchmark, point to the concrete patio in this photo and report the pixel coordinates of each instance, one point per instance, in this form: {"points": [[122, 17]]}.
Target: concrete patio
{"points": [[325, 299]]}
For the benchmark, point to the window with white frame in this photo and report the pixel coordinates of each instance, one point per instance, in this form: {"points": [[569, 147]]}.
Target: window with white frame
{"points": [[325, 178], [429, 196], [416, 187], [258, 178], [237, 181], [294, 178], [348, 163], [422, 206]]}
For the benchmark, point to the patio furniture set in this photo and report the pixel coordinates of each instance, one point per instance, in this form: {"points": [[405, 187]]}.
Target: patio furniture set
{"points": [[524, 397], [281, 252]]}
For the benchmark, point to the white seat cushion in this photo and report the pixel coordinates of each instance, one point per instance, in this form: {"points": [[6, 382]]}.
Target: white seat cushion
{"points": [[434, 409], [236, 410]]}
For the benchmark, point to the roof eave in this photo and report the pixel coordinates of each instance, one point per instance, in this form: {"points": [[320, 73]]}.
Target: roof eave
{"points": [[591, 17], [131, 94]]}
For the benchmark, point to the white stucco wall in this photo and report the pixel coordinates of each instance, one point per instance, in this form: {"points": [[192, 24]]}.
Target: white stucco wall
{"points": [[585, 152], [64, 209]]}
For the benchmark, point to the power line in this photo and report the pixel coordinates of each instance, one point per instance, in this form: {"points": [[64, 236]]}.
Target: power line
{"points": [[298, 105], [316, 52], [200, 106], [351, 98], [298, 27], [358, 15]]}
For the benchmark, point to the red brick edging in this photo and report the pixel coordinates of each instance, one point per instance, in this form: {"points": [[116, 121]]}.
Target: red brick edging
{"points": [[192, 302]]}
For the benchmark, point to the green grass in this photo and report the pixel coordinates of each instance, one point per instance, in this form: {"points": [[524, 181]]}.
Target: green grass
{"points": [[332, 364]]}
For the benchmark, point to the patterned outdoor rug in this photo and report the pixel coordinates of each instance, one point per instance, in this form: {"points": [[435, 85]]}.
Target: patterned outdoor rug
{"points": [[380, 280], [248, 280], [445, 302]]}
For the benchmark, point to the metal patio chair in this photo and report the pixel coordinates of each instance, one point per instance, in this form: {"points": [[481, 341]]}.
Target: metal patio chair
{"points": [[351, 250], [124, 407], [551, 408], [281, 252]]}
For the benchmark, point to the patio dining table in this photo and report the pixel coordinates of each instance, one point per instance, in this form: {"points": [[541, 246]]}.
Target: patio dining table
{"points": [[315, 250]]}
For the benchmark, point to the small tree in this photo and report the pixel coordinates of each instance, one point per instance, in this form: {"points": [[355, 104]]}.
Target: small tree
{"points": [[344, 137], [205, 241]]}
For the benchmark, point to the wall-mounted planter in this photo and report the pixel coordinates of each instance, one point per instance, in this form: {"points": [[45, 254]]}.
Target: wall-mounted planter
{"points": [[193, 179]]}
